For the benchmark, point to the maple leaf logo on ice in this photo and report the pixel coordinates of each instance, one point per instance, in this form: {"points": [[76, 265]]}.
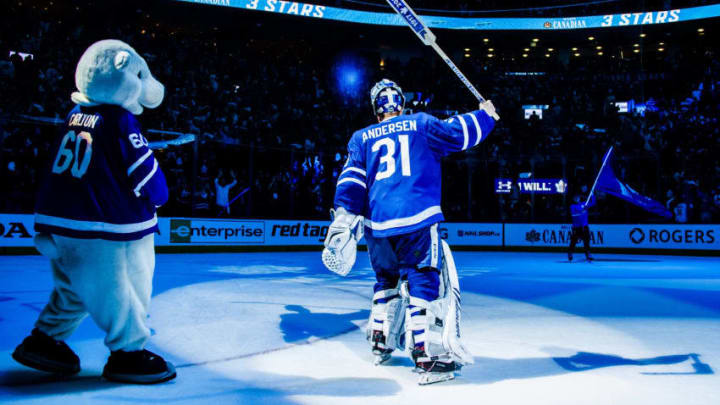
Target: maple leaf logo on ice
{"points": [[561, 186], [532, 236]]}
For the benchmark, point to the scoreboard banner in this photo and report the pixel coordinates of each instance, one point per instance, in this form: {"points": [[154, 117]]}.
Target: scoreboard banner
{"points": [[531, 186], [309, 10]]}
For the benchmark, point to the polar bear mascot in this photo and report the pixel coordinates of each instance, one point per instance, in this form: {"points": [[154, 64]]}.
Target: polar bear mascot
{"points": [[95, 220]]}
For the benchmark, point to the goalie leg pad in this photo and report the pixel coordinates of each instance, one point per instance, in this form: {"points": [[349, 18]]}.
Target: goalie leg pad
{"points": [[451, 334], [434, 325], [385, 326], [425, 330]]}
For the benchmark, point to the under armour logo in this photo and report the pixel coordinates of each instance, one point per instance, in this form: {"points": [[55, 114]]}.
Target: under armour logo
{"points": [[503, 186]]}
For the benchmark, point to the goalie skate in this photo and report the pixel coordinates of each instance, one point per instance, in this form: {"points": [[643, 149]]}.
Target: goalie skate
{"points": [[433, 370], [426, 378], [381, 358]]}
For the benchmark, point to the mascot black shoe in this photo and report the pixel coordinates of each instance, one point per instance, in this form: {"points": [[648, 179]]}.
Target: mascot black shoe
{"points": [[42, 352], [138, 367]]}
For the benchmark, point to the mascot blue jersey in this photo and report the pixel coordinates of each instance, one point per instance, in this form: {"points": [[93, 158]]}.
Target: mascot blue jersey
{"points": [[393, 172], [104, 181]]}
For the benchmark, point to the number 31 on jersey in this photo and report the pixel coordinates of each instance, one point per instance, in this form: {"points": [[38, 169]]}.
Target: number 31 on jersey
{"points": [[388, 158]]}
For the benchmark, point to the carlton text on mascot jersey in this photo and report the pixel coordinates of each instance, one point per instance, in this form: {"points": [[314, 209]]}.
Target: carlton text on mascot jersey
{"points": [[95, 219]]}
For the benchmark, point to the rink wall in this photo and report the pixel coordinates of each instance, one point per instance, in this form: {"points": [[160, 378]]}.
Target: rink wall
{"points": [[205, 234]]}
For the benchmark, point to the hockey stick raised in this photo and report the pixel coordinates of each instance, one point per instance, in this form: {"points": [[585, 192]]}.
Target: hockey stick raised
{"points": [[423, 32]]}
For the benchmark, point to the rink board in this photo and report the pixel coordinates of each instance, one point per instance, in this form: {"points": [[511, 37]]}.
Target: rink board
{"points": [[16, 230]]}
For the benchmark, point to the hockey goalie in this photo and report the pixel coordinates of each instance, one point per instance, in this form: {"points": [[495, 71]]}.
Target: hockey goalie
{"points": [[389, 191]]}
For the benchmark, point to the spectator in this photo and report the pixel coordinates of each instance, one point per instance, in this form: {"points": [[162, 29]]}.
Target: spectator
{"points": [[222, 192]]}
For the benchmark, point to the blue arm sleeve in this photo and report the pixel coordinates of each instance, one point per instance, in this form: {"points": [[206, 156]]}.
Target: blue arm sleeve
{"points": [[146, 178], [351, 190], [458, 133]]}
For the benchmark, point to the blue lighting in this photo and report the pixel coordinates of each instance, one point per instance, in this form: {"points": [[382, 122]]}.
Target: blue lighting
{"points": [[350, 77]]}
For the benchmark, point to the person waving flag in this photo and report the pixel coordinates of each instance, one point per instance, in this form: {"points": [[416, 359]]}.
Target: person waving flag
{"points": [[608, 182]]}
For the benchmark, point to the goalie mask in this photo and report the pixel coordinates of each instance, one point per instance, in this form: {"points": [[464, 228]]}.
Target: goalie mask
{"points": [[386, 97]]}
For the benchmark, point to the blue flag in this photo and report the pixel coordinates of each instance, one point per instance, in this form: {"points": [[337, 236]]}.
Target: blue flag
{"points": [[609, 183]]}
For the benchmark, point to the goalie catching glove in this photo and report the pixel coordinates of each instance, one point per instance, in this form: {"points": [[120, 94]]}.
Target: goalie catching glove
{"points": [[341, 242]]}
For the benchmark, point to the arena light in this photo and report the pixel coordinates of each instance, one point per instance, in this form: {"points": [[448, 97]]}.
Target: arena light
{"points": [[636, 50], [636, 45], [467, 55], [547, 55], [550, 49], [661, 49], [493, 49], [574, 49], [525, 55], [467, 49], [591, 38], [661, 43], [526, 49], [535, 40], [490, 55], [350, 75], [577, 54], [701, 30], [643, 35], [486, 40], [598, 47], [600, 53]]}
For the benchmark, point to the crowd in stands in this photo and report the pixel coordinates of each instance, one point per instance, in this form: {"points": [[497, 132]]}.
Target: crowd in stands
{"points": [[272, 126]]}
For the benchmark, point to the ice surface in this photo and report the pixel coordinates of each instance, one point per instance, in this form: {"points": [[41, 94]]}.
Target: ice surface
{"points": [[276, 328]]}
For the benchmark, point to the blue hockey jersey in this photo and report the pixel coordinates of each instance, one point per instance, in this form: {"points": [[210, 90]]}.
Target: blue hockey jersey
{"points": [[579, 213], [104, 181], [393, 172]]}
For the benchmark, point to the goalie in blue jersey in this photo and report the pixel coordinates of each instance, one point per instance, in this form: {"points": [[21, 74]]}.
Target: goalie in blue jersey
{"points": [[391, 183]]}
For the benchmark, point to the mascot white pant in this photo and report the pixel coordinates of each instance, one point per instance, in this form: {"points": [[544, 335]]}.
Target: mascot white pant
{"points": [[109, 280]]}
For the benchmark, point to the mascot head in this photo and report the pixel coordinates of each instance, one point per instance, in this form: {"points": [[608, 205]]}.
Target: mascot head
{"points": [[111, 72]]}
